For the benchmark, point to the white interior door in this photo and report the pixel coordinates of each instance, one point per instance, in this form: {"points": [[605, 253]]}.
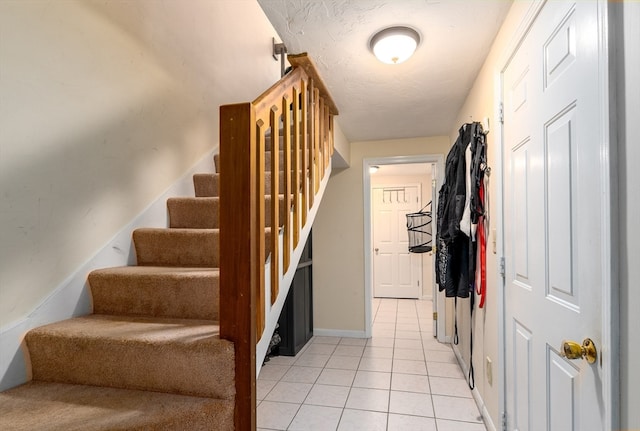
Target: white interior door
{"points": [[396, 272], [553, 98]]}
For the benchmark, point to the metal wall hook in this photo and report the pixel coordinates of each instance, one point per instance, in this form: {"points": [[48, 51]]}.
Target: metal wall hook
{"points": [[279, 49]]}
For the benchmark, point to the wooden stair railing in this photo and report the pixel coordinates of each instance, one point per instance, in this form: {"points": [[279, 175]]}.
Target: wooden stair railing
{"points": [[299, 108]]}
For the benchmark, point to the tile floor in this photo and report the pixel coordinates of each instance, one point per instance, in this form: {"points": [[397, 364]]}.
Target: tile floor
{"points": [[400, 379]]}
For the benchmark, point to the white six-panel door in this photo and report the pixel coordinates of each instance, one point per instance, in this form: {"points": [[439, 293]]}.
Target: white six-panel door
{"points": [[397, 273], [553, 100]]}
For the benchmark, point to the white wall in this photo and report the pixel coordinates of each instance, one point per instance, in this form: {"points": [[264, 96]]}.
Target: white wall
{"points": [[338, 236], [103, 106]]}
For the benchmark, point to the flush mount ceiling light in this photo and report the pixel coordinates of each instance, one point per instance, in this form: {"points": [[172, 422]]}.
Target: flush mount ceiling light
{"points": [[394, 45], [373, 169]]}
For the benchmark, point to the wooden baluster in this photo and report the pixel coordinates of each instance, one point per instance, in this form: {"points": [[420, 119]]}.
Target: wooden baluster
{"points": [[296, 166], [286, 186], [312, 142], [322, 160], [331, 137], [304, 155], [238, 257], [260, 130], [316, 138], [274, 120], [327, 137]]}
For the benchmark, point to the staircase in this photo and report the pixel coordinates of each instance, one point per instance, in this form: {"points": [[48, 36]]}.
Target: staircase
{"points": [[164, 348], [150, 357]]}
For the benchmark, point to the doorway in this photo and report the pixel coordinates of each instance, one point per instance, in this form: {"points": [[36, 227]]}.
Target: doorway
{"points": [[400, 173]]}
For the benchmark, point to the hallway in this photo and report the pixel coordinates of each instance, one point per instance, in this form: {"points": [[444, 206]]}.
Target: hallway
{"points": [[400, 379]]}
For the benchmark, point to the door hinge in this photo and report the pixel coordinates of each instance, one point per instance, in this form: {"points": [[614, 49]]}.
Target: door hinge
{"points": [[501, 112], [502, 267], [418, 283], [504, 421], [435, 315]]}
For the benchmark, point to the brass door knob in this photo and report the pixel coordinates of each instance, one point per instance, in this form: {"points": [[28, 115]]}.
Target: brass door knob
{"points": [[573, 350]]}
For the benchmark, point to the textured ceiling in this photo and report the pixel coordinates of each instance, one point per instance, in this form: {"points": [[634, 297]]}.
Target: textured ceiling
{"points": [[420, 97]]}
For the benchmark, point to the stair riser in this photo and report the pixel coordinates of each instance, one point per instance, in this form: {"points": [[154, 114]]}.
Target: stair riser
{"points": [[208, 185], [194, 213], [196, 369], [177, 247], [161, 295]]}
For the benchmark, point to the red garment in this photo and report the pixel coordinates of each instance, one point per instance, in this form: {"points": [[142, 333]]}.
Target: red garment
{"points": [[481, 268]]}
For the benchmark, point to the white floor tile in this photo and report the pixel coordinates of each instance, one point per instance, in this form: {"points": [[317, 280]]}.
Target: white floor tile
{"points": [[431, 343], [375, 364], [449, 386], [442, 369], [440, 356], [368, 399], [282, 360], [330, 396], [344, 362], [405, 366], [454, 408], [410, 383], [387, 326], [410, 423], [272, 372], [326, 340], [408, 344], [385, 333], [286, 392], [380, 341], [349, 350], [407, 326], [353, 341], [263, 387], [378, 352], [411, 354], [411, 403], [359, 420], [298, 374], [312, 360], [400, 379], [409, 335], [320, 349], [372, 380], [446, 425], [316, 418], [275, 416], [336, 377]]}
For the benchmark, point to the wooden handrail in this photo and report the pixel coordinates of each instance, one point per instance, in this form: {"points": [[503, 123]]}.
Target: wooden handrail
{"points": [[299, 108]]}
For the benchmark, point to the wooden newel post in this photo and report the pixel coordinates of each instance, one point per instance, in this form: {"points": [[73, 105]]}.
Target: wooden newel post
{"points": [[238, 256]]}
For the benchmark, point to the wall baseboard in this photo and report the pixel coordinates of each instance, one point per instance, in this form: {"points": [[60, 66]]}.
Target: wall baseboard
{"points": [[72, 297]]}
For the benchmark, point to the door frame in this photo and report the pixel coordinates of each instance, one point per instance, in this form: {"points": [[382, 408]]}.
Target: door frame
{"points": [[608, 162], [438, 303]]}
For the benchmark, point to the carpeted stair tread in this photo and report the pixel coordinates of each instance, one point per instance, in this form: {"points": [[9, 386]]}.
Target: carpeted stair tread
{"points": [[177, 247], [194, 213], [45, 406], [182, 356], [156, 291]]}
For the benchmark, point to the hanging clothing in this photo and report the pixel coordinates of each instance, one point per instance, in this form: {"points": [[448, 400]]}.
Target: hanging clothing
{"points": [[459, 209]]}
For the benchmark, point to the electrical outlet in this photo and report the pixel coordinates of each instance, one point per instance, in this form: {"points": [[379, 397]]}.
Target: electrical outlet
{"points": [[489, 371]]}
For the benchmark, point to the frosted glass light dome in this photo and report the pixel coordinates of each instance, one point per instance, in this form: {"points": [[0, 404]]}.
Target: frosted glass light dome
{"points": [[394, 45]]}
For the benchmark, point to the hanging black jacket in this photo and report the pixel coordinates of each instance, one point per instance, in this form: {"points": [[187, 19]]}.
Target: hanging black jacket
{"points": [[455, 252]]}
